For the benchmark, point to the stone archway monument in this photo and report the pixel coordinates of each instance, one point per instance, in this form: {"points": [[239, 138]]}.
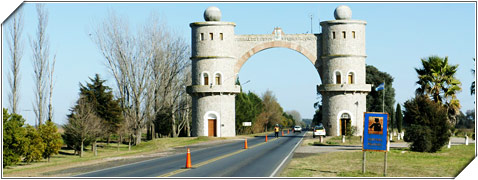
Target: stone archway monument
{"points": [[338, 54]]}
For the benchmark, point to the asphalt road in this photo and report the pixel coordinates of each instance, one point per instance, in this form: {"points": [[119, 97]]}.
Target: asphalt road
{"points": [[261, 159]]}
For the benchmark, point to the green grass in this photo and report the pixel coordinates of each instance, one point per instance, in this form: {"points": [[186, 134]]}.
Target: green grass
{"points": [[401, 163], [64, 160]]}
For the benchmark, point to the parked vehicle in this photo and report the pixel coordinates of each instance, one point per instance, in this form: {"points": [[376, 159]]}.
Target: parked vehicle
{"points": [[319, 130], [297, 129]]}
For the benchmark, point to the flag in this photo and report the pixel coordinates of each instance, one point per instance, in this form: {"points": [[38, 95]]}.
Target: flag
{"points": [[380, 87]]}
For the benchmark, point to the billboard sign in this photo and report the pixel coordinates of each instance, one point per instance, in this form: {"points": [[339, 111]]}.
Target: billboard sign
{"points": [[375, 132]]}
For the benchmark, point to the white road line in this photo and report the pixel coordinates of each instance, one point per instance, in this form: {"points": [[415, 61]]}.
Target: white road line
{"points": [[285, 159]]}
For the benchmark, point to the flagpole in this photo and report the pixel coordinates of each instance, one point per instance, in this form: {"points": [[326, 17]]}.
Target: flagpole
{"points": [[383, 99]]}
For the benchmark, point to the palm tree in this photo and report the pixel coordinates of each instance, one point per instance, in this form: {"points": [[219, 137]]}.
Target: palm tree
{"points": [[437, 79]]}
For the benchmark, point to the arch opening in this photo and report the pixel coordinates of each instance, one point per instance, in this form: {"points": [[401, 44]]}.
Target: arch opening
{"points": [[277, 44]]}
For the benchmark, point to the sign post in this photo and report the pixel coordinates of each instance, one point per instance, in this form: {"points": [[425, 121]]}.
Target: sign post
{"points": [[375, 136]]}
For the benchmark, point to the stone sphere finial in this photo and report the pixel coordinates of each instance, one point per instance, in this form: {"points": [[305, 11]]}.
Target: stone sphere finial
{"points": [[212, 13], [343, 12]]}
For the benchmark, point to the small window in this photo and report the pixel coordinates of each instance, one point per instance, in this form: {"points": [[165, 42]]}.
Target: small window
{"points": [[211, 36], [353, 34], [206, 79], [338, 78], [333, 35], [221, 36], [343, 34], [218, 79], [345, 116], [351, 78], [202, 36]]}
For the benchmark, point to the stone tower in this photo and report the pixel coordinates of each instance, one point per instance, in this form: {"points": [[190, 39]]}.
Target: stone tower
{"points": [[343, 86], [338, 54], [213, 86]]}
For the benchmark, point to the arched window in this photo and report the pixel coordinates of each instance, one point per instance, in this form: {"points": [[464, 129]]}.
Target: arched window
{"points": [[218, 78], [351, 78], [338, 78], [205, 79]]}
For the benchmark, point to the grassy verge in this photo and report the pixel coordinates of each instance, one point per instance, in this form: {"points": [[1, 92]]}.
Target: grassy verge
{"points": [[66, 159], [401, 163]]}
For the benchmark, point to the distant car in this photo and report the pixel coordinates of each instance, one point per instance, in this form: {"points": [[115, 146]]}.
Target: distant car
{"points": [[319, 130], [297, 129]]}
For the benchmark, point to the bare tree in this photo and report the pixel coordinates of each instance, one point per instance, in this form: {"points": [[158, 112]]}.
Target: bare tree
{"points": [[14, 42], [148, 67], [127, 57], [83, 124], [296, 115], [50, 96], [41, 63]]}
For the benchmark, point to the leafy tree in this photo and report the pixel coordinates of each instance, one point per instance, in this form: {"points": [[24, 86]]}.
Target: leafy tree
{"points": [[429, 129], [51, 138], [248, 108], [317, 116], [242, 112], [14, 140], [399, 117], [375, 98], [272, 111], [100, 97], [34, 147], [287, 120], [437, 80]]}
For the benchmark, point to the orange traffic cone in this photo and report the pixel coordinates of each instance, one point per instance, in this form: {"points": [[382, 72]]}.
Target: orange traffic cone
{"points": [[266, 137], [287, 131], [188, 159], [282, 133], [245, 144]]}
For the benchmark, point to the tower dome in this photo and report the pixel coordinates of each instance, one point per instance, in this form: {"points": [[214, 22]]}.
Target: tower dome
{"points": [[343, 13], [212, 13]]}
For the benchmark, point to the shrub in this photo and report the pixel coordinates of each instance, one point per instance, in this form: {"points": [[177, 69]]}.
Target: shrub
{"points": [[13, 138], [34, 147], [51, 138], [429, 128]]}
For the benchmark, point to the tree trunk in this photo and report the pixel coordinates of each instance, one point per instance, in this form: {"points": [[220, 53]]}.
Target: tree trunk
{"points": [[148, 132], [119, 141], [81, 150], [95, 148], [138, 136], [108, 140], [153, 132], [129, 142], [173, 125], [188, 128]]}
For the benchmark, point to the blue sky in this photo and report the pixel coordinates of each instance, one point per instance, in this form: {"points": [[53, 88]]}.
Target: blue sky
{"points": [[397, 36]]}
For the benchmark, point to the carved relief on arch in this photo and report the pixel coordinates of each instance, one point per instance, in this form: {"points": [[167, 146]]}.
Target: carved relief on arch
{"points": [[294, 46]]}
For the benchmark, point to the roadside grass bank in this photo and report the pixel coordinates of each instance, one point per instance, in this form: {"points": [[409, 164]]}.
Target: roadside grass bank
{"points": [[66, 159], [401, 163], [337, 140]]}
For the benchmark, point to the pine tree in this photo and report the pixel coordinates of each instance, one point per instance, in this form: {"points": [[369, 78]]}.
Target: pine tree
{"points": [[100, 97]]}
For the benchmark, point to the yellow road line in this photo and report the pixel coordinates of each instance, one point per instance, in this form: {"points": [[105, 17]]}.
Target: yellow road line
{"points": [[212, 160]]}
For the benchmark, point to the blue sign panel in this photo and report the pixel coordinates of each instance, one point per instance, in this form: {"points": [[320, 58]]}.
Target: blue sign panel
{"points": [[375, 131]]}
